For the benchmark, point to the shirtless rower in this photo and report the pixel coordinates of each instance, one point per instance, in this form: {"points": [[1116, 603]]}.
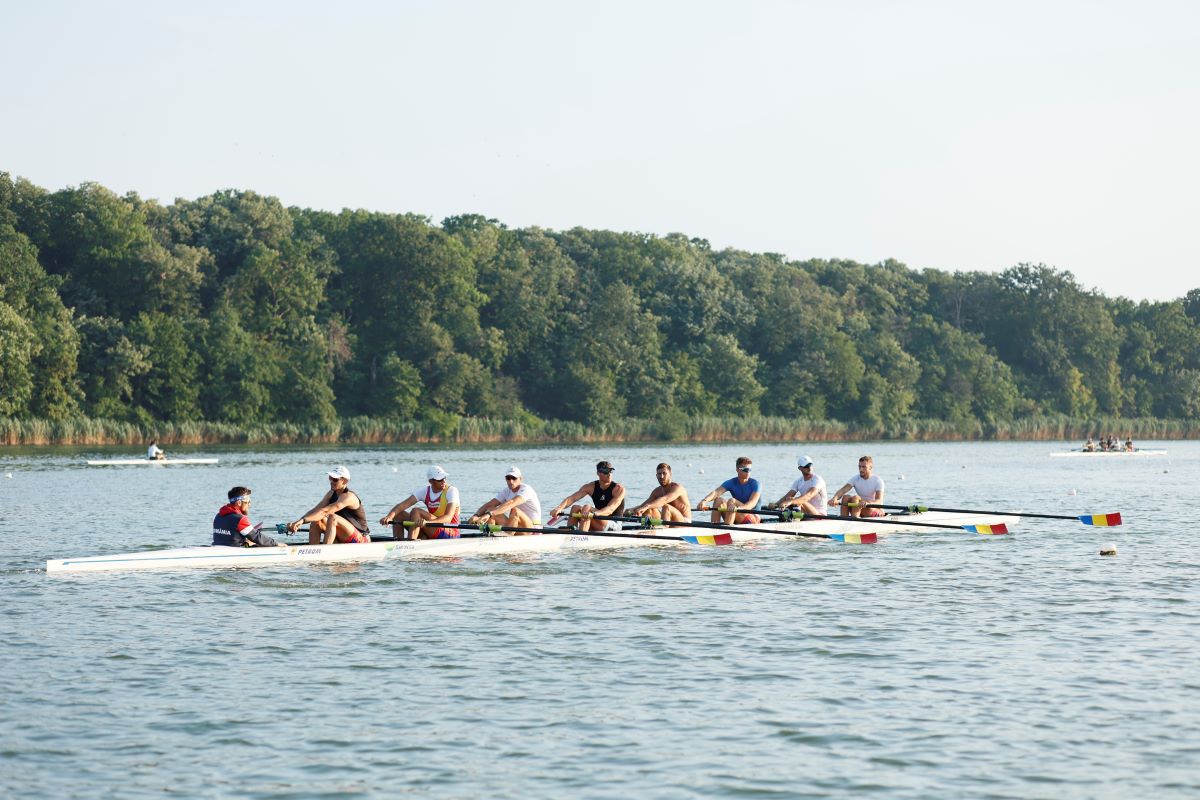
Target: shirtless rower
{"points": [[608, 500], [669, 500]]}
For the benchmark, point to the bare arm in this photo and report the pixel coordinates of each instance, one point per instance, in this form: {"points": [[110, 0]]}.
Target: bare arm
{"points": [[403, 505], [581, 493]]}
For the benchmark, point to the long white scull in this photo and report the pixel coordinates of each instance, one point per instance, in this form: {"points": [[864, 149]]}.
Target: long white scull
{"points": [[217, 556], [144, 462]]}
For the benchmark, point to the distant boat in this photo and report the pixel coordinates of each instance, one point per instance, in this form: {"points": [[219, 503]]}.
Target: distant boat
{"points": [[142, 462], [1108, 453]]}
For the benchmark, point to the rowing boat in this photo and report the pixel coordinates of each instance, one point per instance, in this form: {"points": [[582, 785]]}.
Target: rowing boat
{"points": [[218, 556], [140, 462], [1108, 453]]}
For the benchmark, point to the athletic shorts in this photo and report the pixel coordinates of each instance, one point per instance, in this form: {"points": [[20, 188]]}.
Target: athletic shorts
{"points": [[447, 533], [872, 512], [358, 537], [747, 519]]}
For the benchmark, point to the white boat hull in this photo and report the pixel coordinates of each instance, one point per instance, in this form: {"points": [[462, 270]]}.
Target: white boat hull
{"points": [[216, 556], [1108, 454], [144, 462]]}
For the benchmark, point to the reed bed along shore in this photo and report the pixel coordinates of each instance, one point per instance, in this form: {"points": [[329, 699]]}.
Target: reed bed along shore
{"points": [[470, 430]]}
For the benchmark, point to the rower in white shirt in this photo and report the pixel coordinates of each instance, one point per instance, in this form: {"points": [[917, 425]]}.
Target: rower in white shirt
{"points": [[808, 492], [516, 505]]}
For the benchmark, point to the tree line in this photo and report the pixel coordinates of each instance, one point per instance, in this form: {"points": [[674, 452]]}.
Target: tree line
{"points": [[234, 308]]}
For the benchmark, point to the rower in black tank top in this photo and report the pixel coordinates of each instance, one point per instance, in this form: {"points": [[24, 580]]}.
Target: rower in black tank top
{"points": [[355, 516], [602, 497]]}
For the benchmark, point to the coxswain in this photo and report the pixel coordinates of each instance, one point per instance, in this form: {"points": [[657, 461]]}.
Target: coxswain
{"points": [[154, 452], [231, 526]]}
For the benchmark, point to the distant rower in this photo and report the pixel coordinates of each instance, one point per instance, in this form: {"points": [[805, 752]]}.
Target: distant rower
{"points": [[154, 452]]}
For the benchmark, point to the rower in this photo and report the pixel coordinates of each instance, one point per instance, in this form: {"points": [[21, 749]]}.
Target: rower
{"points": [[154, 452], [516, 505], [231, 526], [744, 497], [808, 492], [1089, 446], [1129, 443], [868, 487], [668, 501], [608, 500], [441, 508], [338, 517]]}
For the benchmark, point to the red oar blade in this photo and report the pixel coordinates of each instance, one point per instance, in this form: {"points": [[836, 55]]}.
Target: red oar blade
{"points": [[987, 530], [718, 538], [1102, 520]]}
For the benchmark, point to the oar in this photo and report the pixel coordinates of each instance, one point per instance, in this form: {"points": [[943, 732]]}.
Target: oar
{"points": [[1099, 520], [489, 529], [654, 522], [788, 514]]}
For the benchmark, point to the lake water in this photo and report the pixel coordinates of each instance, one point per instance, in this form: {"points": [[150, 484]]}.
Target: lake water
{"points": [[941, 665]]}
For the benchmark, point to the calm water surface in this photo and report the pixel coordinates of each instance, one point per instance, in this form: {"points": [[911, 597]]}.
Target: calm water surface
{"points": [[940, 665]]}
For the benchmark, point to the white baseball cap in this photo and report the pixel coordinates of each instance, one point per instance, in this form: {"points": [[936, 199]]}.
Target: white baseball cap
{"points": [[804, 461], [339, 472], [514, 471], [436, 473]]}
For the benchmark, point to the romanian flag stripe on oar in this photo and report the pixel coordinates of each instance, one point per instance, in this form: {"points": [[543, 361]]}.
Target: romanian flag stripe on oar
{"points": [[790, 514], [654, 522], [1099, 520]]}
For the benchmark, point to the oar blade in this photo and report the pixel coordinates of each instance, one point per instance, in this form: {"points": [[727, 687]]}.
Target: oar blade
{"points": [[855, 538], [987, 530], [720, 538], [1101, 520]]}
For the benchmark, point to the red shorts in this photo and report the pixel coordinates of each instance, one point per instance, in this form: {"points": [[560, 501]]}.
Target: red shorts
{"points": [[358, 537], [447, 533], [748, 519], [872, 512]]}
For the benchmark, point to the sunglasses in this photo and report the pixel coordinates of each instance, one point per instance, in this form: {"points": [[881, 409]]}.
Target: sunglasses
{"points": [[743, 469], [511, 478], [604, 472]]}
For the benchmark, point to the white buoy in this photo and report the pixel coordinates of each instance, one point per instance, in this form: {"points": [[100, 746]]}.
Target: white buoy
{"points": [[701, 470], [1071, 492], [395, 470], [901, 477], [8, 474], [1108, 549]]}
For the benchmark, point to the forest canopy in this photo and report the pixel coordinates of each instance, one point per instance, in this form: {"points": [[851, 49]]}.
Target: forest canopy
{"points": [[235, 308]]}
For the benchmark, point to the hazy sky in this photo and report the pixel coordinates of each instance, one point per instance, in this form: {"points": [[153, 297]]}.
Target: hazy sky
{"points": [[953, 135]]}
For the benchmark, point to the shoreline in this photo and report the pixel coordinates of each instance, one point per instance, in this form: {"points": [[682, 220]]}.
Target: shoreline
{"points": [[475, 431]]}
